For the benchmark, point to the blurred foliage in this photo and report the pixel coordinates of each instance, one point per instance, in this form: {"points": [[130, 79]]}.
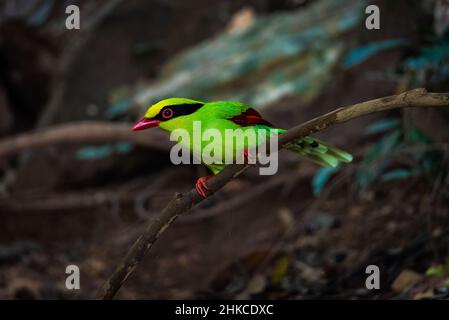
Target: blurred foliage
{"points": [[382, 126], [274, 56], [364, 52], [103, 151], [41, 13], [119, 103], [380, 163], [436, 270], [322, 177], [47, 14], [430, 65], [280, 269], [282, 54]]}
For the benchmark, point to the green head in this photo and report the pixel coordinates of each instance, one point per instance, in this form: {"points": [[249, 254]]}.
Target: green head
{"points": [[166, 113]]}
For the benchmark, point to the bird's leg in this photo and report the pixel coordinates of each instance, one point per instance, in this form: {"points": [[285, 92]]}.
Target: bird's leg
{"points": [[201, 186], [248, 156]]}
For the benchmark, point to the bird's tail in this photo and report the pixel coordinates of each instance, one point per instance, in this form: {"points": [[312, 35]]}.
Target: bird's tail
{"points": [[319, 151]]}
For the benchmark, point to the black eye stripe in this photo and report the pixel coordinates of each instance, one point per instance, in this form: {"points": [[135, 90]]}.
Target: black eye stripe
{"points": [[179, 110], [167, 113]]}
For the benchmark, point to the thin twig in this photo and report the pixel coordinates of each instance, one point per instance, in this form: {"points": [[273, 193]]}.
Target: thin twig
{"points": [[182, 203]]}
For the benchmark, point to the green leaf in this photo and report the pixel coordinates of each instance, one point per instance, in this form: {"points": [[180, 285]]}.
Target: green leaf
{"points": [[362, 53], [321, 178], [377, 158], [118, 108], [104, 151], [41, 13], [95, 152], [429, 57], [417, 136], [280, 270], [124, 147], [383, 125], [398, 174], [435, 271], [382, 147]]}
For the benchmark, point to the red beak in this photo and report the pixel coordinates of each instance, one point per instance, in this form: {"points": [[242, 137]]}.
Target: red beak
{"points": [[145, 123]]}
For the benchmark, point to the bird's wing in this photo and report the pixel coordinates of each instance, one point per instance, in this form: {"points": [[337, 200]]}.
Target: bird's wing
{"points": [[250, 117]]}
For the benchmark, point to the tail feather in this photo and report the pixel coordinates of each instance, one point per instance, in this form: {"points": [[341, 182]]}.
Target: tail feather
{"points": [[341, 155], [319, 151]]}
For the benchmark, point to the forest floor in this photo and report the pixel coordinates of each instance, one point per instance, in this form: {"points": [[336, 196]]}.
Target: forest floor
{"points": [[277, 241]]}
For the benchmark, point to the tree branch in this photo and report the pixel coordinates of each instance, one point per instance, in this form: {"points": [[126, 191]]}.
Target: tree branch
{"points": [[82, 132], [182, 203]]}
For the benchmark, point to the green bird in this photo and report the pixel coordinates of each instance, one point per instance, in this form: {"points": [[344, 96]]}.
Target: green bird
{"points": [[181, 113]]}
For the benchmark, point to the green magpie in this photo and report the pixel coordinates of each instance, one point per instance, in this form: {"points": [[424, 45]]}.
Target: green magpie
{"points": [[180, 113]]}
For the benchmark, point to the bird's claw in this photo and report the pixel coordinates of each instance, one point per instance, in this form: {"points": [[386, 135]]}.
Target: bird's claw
{"points": [[248, 156], [201, 186]]}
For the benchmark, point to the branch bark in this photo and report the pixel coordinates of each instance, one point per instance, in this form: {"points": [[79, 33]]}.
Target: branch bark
{"points": [[182, 203], [82, 132]]}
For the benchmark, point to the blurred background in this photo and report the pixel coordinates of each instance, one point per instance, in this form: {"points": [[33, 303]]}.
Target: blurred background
{"points": [[304, 233]]}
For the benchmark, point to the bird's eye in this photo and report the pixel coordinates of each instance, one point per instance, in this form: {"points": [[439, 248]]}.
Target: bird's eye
{"points": [[167, 113]]}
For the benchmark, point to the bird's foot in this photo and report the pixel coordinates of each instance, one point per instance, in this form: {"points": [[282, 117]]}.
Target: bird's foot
{"points": [[201, 186], [249, 157]]}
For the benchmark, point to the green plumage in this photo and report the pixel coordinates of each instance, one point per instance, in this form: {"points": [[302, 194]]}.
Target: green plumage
{"points": [[319, 151], [218, 115]]}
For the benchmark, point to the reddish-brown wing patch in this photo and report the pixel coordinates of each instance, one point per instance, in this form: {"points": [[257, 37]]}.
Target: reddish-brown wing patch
{"points": [[250, 118]]}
